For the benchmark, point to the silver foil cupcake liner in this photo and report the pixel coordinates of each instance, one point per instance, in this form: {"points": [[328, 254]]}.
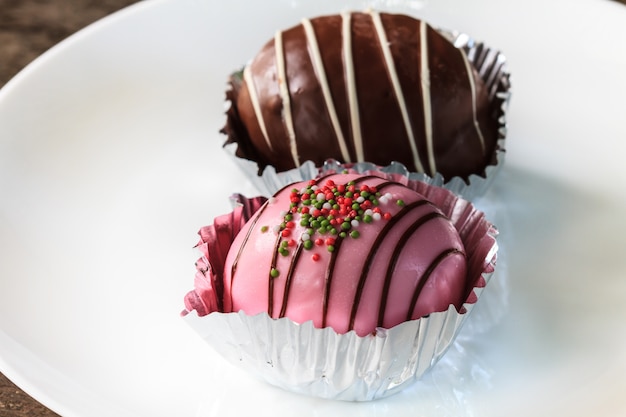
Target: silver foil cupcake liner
{"points": [[319, 362], [491, 66]]}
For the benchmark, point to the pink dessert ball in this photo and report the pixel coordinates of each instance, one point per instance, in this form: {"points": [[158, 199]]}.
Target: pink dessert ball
{"points": [[347, 251]]}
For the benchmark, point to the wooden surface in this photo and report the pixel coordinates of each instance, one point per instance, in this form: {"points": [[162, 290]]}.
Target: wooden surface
{"points": [[27, 29]]}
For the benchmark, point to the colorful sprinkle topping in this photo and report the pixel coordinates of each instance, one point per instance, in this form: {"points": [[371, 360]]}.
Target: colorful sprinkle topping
{"points": [[329, 211]]}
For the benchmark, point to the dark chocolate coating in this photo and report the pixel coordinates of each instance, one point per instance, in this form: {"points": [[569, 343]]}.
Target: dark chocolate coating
{"points": [[454, 96]]}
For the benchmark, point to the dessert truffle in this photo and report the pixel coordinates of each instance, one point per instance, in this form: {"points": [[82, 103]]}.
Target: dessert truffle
{"points": [[304, 289], [347, 251], [356, 87]]}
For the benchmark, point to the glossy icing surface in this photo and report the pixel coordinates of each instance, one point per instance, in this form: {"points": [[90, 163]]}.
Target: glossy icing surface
{"points": [[400, 257], [371, 86]]}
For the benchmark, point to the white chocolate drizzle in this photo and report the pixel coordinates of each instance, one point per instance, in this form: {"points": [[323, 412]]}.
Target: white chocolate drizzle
{"points": [[254, 98], [284, 94], [316, 59], [425, 82], [353, 103], [472, 85], [397, 88], [352, 93]]}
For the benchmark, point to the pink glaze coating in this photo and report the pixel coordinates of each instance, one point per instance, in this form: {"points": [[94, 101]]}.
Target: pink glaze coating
{"points": [[407, 264]]}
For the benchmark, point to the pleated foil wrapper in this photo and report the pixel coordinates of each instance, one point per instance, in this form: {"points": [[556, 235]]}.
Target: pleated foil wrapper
{"points": [[491, 66], [321, 363]]}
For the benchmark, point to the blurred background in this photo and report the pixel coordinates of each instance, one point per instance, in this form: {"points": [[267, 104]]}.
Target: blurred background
{"points": [[30, 27]]}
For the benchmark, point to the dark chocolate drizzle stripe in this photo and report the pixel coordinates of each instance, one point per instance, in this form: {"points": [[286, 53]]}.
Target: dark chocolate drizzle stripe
{"points": [[233, 268], [328, 279], [375, 246], [270, 278], [270, 284], [292, 267], [422, 282], [331, 264], [394, 260]]}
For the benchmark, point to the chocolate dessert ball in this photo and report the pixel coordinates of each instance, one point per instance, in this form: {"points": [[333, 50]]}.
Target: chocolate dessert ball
{"points": [[357, 87]]}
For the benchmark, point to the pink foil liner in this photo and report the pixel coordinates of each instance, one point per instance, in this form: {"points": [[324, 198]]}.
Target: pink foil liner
{"points": [[320, 362]]}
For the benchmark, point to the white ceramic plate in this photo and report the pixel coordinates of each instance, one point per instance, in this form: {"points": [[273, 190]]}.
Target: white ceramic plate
{"points": [[110, 161]]}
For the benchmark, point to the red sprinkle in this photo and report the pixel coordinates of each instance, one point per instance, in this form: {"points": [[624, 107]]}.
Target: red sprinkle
{"points": [[330, 241], [290, 225], [286, 233], [319, 241], [387, 216], [292, 243], [315, 257]]}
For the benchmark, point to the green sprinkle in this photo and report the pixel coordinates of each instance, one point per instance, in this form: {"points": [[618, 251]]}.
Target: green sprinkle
{"points": [[325, 223], [365, 194], [342, 234], [345, 225], [315, 224], [306, 202], [349, 194], [368, 218], [264, 229], [304, 222], [288, 217], [274, 273], [355, 206], [330, 248], [308, 244], [400, 203], [354, 234], [283, 251], [284, 243]]}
